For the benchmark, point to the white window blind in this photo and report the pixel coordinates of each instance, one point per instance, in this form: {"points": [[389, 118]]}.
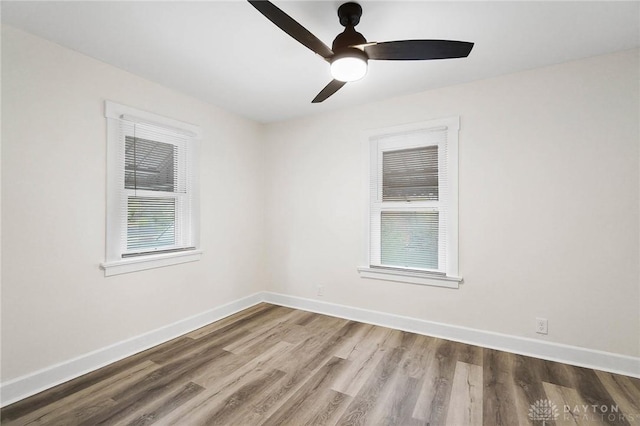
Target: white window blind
{"points": [[409, 239], [408, 208], [152, 187], [155, 192], [150, 165], [151, 223], [410, 174]]}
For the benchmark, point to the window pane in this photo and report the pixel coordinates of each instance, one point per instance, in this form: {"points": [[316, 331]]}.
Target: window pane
{"points": [[150, 222], [410, 174], [149, 165], [409, 239]]}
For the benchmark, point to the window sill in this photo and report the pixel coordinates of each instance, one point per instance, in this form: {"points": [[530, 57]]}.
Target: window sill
{"points": [[149, 262], [420, 278]]}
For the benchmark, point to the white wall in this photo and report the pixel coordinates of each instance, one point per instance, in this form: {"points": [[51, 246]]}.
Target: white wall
{"points": [[549, 184], [56, 302]]}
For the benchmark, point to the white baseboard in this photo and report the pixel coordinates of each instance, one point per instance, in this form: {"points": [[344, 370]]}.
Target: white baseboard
{"points": [[30, 384], [574, 355]]}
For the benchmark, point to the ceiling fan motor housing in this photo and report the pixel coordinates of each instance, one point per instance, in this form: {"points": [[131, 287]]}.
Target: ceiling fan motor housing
{"points": [[343, 45], [349, 37], [349, 63], [349, 14]]}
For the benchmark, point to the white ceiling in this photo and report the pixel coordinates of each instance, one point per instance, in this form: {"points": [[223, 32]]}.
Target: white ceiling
{"points": [[228, 54]]}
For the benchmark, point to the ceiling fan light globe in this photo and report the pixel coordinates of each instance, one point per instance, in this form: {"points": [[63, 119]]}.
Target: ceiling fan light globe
{"points": [[348, 68]]}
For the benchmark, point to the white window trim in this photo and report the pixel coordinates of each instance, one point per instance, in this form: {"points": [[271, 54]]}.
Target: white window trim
{"points": [[452, 278], [114, 263], [149, 262]]}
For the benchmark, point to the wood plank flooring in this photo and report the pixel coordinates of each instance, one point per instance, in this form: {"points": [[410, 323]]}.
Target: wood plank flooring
{"points": [[271, 365]]}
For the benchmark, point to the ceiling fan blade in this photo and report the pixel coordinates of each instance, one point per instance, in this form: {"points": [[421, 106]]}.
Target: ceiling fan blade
{"points": [[329, 90], [287, 24], [413, 50]]}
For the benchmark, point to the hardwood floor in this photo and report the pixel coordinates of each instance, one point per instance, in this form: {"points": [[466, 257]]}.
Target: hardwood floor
{"points": [[270, 365]]}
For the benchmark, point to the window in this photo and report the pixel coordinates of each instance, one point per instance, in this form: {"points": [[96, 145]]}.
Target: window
{"points": [[412, 204], [151, 191]]}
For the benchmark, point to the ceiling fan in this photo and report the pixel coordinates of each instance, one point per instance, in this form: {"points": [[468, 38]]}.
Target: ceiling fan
{"points": [[350, 51]]}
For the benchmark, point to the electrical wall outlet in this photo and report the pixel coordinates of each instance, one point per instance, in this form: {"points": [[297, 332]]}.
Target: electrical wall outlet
{"points": [[542, 326], [320, 290]]}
